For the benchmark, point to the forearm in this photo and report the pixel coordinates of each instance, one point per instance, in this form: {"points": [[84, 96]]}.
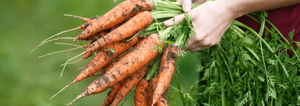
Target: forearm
{"points": [[242, 7]]}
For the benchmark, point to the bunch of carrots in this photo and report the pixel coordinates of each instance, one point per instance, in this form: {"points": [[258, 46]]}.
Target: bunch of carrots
{"points": [[132, 47], [123, 55]]}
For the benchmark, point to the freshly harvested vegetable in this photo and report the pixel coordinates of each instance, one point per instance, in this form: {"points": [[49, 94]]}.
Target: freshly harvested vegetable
{"points": [[117, 15], [112, 64], [166, 70], [140, 96], [163, 100], [112, 94], [130, 82], [125, 67], [102, 58], [99, 34], [150, 90], [126, 30]]}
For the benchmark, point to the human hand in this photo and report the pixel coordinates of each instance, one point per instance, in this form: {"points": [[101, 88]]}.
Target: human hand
{"points": [[210, 21]]}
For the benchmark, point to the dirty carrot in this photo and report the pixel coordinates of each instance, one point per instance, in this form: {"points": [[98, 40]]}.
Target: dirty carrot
{"points": [[99, 34], [166, 70], [96, 36], [130, 82], [140, 96], [118, 14], [163, 100], [102, 58], [132, 62], [112, 64], [112, 94], [126, 30], [150, 90]]}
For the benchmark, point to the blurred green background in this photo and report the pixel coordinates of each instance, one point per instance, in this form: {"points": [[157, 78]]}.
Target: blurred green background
{"points": [[28, 80]]}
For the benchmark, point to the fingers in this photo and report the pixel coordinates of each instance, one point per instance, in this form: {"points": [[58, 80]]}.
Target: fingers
{"points": [[186, 5], [171, 21]]}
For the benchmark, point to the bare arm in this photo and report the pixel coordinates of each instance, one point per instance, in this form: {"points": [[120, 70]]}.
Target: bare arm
{"points": [[212, 19], [242, 7]]}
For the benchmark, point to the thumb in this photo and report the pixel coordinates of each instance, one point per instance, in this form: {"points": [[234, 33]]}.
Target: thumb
{"points": [[175, 20], [186, 5]]}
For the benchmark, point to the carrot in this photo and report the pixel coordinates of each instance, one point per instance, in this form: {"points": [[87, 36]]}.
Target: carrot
{"points": [[112, 94], [140, 96], [99, 34], [128, 29], [101, 59], [130, 82], [96, 36], [150, 90], [125, 67], [112, 64], [166, 70], [118, 14], [163, 100]]}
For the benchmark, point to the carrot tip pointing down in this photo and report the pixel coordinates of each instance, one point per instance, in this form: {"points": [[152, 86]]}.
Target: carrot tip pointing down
{"points": [[79, 96], [75, 39]]}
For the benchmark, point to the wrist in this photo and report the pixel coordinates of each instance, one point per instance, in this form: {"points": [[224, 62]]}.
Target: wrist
{"points": [[236, 8]]}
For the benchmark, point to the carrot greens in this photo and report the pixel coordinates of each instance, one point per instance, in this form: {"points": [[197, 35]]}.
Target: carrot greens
{"points": [[245, 68]]}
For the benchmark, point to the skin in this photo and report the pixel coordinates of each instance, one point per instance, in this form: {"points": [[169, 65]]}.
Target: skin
{"points": [[212, 19]]}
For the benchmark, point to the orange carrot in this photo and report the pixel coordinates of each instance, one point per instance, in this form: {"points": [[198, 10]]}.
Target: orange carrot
{"points": [[96, 36], [118, 14], [130, 82], [166, 70], [102, 58], [150, 90], [99, 34], [112, 64], [140, 96], [163, 100], [112, 94], [132, 62], [126, 30]]}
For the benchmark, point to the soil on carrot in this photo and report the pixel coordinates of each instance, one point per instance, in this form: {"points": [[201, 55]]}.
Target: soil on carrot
{"points": [[136, 9], [171, 56]]}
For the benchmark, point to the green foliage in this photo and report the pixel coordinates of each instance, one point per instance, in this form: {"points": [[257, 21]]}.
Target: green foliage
{"points": [[270, 79], [243, 69]]}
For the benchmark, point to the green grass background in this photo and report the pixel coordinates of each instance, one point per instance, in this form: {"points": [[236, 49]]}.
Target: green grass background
{"points": [[26, 80]]}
